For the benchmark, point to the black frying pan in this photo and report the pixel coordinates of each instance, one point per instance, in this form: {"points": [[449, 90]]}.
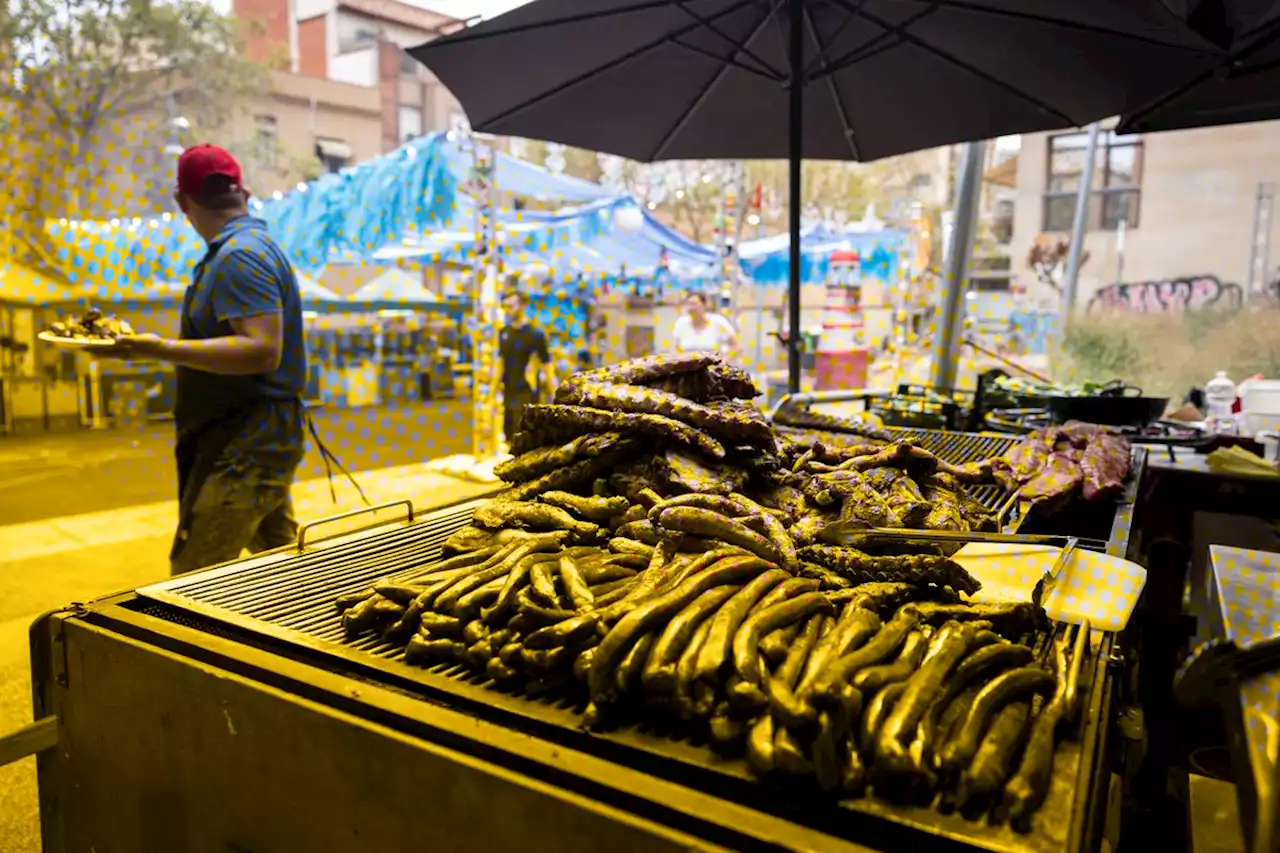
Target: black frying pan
{"points": [[1116, 404]]}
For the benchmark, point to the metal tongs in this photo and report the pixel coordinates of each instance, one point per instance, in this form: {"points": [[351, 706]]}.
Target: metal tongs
{"points": [[849, 533]]}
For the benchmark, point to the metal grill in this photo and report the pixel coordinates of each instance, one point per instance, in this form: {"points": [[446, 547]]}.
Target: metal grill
{"points": [[298, 592], [960, 448], [290, 599]]}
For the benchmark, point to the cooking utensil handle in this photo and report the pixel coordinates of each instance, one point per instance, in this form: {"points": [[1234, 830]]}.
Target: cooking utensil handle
{"points": [[1082, 650], [970, 342], [30, 739], [302, 531]]}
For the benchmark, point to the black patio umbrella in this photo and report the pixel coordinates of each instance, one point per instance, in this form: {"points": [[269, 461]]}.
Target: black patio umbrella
{"points": [[685, 79], [1243, 87]]}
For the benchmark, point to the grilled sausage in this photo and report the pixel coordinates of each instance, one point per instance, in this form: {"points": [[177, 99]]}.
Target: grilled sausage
{"points": [[880, 646], [725, 624], [645, 615], [994, 758], [949, 645], [660, 674], [575, 586], [746, 652], [873, 678], [1000, 691]]}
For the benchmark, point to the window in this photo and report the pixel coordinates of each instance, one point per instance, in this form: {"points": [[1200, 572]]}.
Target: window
{"points": [[410, 123], [1117, 181], [1002, 223], [333, 154], [356, 33], [266, 142], [409, 66]]}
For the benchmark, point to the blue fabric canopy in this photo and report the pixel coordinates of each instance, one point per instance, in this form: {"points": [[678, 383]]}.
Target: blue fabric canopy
{"points": [[522, 178], [766, 260], [407, 204]]}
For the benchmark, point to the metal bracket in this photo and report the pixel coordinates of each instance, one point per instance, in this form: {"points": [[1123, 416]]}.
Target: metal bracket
{"points": [[29, 740]]}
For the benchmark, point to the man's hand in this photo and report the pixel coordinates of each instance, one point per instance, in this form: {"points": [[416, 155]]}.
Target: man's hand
{"points": [[134, 348]]}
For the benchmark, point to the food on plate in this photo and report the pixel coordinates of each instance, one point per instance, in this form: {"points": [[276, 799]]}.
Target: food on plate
{"points": [[92, 325]]}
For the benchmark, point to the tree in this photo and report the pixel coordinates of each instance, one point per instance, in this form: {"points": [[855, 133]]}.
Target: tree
{"points": [[89, 82], [688, 194]]}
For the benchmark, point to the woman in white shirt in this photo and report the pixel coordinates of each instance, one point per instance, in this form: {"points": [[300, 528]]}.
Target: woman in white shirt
{"points": [[699, 330]]}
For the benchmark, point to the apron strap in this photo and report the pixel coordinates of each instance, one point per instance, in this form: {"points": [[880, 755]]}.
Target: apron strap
{"points": [[330, 462]]}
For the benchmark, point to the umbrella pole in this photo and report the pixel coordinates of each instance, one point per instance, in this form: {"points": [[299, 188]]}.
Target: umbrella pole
{"points": [[795, 125], [958, 252]]}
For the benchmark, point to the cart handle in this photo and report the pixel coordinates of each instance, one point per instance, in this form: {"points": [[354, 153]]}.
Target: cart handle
{"points": [[31, 739], [302, 531]]}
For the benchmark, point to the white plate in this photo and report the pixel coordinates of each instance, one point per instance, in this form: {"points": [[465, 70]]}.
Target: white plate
{"points": [[76, 343]]}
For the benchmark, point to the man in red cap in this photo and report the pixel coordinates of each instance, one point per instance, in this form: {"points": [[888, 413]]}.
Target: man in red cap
{"points": [[241, 372]]}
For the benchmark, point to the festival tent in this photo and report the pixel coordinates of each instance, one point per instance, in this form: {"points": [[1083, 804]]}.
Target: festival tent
{"points": [[314, 291], [394, 285]]}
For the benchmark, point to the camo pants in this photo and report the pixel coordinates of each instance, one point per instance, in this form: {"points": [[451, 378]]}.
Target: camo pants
{"points": [[238, 508]]}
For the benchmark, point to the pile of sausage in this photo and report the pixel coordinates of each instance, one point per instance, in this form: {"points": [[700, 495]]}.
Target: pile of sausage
{"points": [[633, 567]]}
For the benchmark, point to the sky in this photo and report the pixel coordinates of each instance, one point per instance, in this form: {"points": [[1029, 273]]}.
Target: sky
{"points": [[469, 8]]}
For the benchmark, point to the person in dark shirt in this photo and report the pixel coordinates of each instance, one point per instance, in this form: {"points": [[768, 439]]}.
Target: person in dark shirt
{"points": [[518, 343], [241, 372]]}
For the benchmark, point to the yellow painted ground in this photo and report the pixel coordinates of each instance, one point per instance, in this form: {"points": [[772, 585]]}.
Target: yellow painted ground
{"points": [[47, 564]]}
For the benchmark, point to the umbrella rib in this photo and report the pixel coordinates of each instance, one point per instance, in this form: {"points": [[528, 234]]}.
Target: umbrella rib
{"points": [[1270, 65], [849, 136], [742, 66], [703, 95], [776, 75], [961, 6], [1151, 107], [822, 57], [609, 66], [959, 63], [871, 48]]}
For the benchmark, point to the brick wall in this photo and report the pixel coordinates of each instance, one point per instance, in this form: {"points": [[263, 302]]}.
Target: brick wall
{"points": [[268, 37], [313, 47], [389, 55]]}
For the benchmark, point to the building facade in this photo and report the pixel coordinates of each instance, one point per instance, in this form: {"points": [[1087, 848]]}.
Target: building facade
{"points": [[1178, 220], [347, 91]]}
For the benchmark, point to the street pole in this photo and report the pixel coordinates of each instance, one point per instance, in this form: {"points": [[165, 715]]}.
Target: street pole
{"points": [[485, 377], [1071, 278], [1121, 229], [955, 273]]}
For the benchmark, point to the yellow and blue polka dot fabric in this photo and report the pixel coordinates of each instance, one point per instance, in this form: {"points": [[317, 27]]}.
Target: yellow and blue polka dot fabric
{"points": [[1248, 589]]}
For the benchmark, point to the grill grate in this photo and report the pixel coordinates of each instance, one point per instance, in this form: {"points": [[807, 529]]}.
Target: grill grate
{"points": [[298, 592], [960, 448]]}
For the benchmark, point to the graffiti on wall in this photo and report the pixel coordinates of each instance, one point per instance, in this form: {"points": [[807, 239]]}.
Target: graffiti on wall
{"points": [[1167, 296]]}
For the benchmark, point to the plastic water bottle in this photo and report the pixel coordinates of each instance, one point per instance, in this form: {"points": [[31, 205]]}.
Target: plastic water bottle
{"points": [[1219, 397]]}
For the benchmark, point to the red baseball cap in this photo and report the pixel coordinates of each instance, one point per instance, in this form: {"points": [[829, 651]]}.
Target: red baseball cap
{"points": [[201, 162]]}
